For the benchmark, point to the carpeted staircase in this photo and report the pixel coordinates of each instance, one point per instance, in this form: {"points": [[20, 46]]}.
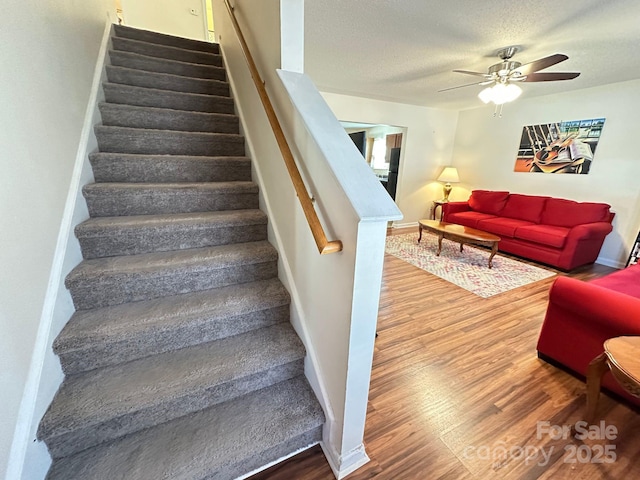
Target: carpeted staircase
{"points": [[180, 360]]}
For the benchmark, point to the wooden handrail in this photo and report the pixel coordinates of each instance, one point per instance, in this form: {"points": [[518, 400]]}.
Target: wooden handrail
{"points": [[324, 246]]}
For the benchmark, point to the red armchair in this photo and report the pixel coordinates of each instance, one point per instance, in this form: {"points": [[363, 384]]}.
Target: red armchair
{"points": [[582, 315]]}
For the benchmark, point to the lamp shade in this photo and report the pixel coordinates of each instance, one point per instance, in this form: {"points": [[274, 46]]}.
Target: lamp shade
{"points": [[449, 175]]}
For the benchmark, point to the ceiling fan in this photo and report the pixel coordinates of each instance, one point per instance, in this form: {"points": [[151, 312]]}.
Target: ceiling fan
{"points": [[502, 76]]}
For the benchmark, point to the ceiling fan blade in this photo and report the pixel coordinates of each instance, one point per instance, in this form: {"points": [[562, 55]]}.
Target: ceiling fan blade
{"points": [[550, 76], [462, 86], [477, 74], [541, 64]]}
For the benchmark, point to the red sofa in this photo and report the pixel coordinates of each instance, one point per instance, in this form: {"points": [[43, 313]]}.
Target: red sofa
{"points": [[558, 232], [582, 315]]}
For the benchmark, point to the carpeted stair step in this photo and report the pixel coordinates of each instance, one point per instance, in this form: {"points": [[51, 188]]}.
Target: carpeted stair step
{"points": [[106, 336], [101, 282], [167, 142], [162, 39], [107, 403], [123, 167], [153, 97], [222, 442], [160, 65], [116, 199], [166, 52], [131, 235], [166, 81], [119, 115]]}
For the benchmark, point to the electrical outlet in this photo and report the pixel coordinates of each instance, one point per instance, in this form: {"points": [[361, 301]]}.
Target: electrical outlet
{"points": [[194, 11]]}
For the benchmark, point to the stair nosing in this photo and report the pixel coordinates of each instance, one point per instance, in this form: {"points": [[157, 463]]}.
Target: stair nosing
{"points": [[163, 74]]}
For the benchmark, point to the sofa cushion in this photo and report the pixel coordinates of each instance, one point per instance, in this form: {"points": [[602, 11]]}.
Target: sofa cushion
{"points": [[544, 235], [486, 201], [524, 207], [504, 227], [468, 218], [625, 281], [567, 213]]}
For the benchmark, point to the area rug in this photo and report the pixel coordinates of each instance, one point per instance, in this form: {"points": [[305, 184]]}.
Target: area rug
{"points": [[469, 269]]}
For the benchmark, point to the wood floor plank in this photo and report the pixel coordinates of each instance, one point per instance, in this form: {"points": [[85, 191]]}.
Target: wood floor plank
{"points": [[453, 372]]}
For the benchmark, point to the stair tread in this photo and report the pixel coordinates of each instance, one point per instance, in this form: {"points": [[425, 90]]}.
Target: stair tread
{"points": [[225, 218], [124, 107], [166, 79], [199, 445], [183, 188], [135, 90], [211, 136], [158, 38], [109, 393], [220, 256], [222, 159], [165, 314], [175, 67], [159, 50], [137, 168], [164, 118]]}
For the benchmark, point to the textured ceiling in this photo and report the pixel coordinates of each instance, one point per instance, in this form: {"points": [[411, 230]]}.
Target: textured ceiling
{"points": [[405, 50]]}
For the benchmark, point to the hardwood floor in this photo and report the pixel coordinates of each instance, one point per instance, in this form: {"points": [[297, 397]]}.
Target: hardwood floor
{"points": [[456, 378]]}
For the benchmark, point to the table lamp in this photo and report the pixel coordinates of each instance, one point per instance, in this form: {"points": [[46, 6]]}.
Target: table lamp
{"points": [[449, 175]]}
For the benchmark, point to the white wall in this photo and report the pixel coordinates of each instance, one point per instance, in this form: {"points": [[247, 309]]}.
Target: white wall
{"points": [[172, 17], [486, 147], [426, 147], [49, 54]]}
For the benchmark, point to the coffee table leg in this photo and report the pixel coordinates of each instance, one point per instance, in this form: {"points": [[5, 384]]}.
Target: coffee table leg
{"points": [[440, 237], [461, 245], [420, 233], [494, 250]]}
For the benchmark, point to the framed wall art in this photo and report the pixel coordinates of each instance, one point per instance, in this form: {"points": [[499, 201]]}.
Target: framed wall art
{"points": [[563, 147], [635, 252]]}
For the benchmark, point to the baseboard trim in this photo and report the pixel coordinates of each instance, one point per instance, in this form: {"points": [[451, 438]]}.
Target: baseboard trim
{"points": [[343, 465], [404, 225], [608, 262], [25, 422]]}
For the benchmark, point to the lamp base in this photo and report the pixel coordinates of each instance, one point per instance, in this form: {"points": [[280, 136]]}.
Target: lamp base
{"points": [[447, 190]]}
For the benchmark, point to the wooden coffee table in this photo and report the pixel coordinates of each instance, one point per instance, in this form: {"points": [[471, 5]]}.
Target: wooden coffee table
{"points": [[460, 234], [621, 356]]}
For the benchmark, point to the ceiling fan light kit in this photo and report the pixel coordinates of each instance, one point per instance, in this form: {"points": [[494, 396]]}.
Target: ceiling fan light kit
{"points": [[500, 93], [500, 77]]}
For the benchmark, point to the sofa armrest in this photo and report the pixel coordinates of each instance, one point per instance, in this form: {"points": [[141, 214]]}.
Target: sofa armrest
{"points": [[454, 207], [583, 244], [588, 231], [614, 311]]}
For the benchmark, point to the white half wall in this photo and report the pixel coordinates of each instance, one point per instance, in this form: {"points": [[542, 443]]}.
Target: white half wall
{"points": [[49, 56], [182, 18], [486, 147], [426, 147]]}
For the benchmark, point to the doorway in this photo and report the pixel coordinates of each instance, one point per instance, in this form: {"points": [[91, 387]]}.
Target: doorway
{"points": [[381, 147]]}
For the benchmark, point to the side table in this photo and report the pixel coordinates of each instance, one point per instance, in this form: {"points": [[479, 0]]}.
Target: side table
{"points": [[436, 204], [621, 356]]}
